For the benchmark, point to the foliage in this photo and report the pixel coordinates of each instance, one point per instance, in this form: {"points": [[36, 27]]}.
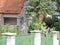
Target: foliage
{"points": [[36, 7], [50, 21], [53, 22], [38, 24], [57, 25], [58, 5], [1, 30], [8, 28], [35, 24], [45, 30]]}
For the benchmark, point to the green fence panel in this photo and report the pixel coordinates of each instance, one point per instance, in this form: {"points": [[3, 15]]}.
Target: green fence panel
{"points": [[59, 41], [48, 40], [3, 40], [25, 39]]}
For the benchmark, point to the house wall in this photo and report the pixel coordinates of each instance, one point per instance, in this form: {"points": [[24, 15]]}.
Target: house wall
{"points": [[1, 18]]}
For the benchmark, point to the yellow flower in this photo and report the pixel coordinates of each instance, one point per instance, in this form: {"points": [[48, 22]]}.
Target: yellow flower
{"points": [[36, 24], [44, 23]]}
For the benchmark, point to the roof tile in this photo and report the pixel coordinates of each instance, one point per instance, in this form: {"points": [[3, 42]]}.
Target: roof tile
{"points": [[11, 6]]}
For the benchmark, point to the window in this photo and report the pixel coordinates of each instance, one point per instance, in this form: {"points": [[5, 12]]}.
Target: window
{"points": [[11, 21]]}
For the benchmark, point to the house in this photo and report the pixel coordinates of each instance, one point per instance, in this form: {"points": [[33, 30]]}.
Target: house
{"points": [[12, 12]]}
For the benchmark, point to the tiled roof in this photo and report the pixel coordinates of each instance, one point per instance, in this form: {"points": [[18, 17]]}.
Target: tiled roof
{"points": [[11, 6]]}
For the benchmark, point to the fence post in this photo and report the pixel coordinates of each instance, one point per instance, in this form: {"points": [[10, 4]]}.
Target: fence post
{"points": [[10, 38], [37, 38], [55, 38]]}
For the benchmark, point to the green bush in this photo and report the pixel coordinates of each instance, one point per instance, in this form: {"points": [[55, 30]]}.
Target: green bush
{"points": [[50, 21], [9, 28], [35, 24], [57, 25], [1, 29], [53, 22]]}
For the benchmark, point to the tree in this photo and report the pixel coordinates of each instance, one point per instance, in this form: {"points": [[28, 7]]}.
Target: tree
{"points": [[57, 4], [37, 7]]}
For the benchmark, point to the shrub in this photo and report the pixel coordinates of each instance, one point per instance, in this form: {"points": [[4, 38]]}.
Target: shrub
{"points": [[50, 21], [57, 25], [9, 28]]}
